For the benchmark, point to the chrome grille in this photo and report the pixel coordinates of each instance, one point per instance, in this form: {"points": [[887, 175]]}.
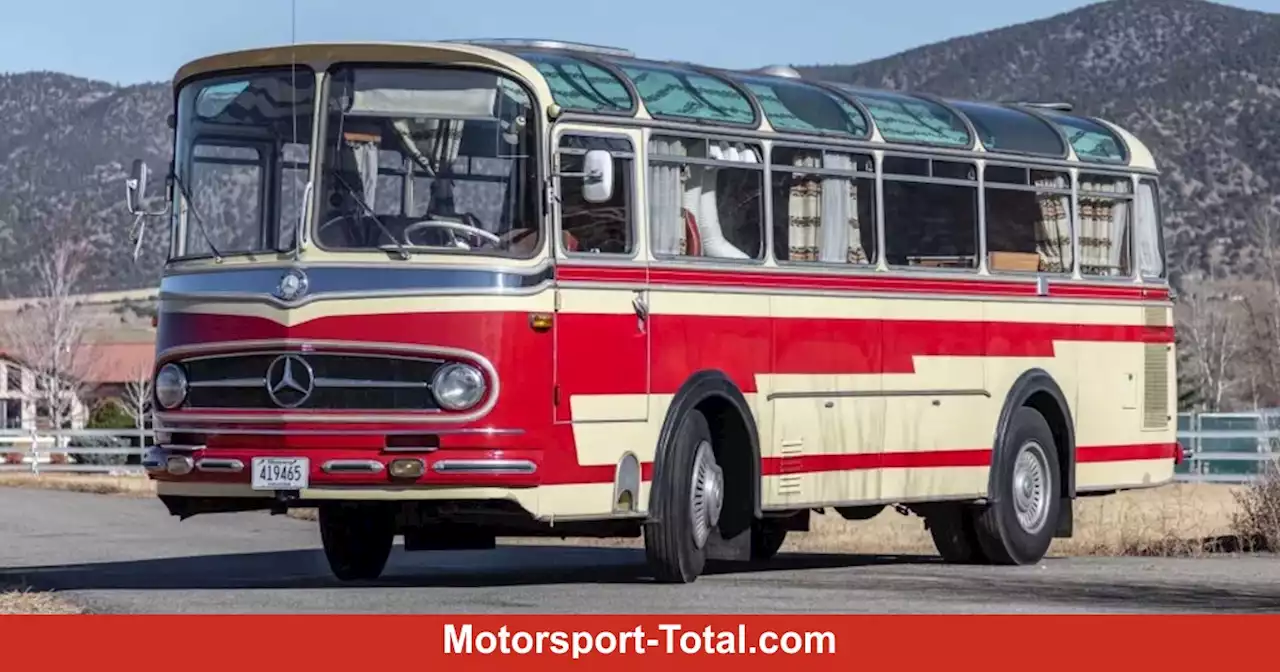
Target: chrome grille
{"points": [[311, 381]]}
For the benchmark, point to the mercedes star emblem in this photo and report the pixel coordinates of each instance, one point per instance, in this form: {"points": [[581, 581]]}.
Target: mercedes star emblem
{"points": [[290, 381], [293, 284]]}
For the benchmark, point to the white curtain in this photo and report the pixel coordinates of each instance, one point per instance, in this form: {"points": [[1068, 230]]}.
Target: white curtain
{"points": [[1147, 230], [666, 221], [690, 188]]}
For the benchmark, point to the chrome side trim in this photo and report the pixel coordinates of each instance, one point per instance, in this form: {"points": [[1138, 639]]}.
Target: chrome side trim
{"points": [[351, 383], [484, 467], [257, 283], [352, 467], [229, 382], [863, 294], [218, 465], [878, 393]]}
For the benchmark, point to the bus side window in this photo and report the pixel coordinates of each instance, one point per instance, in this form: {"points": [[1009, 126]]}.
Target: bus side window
{"points": [[1149, 231], [1028, 220], [1106, 205], [596, 228], [823, 207], [705, 198], [930, 213]]}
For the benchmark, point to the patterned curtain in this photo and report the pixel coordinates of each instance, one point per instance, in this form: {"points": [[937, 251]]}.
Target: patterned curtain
{"points": [[823, 214], [804, 211], [1102, 229], [1053, 234]]}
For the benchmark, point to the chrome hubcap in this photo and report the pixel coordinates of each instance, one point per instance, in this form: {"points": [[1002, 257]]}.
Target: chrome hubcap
{"points": [[1031, 487], [706, 494]]}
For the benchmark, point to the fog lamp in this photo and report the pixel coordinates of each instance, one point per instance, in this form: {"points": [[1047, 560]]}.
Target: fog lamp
{"points": [[406, 468]]}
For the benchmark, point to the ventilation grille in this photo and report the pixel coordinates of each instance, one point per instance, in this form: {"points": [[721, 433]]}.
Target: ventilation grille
{"points": [[789, 482], [1155, 386], [1155, 316]]}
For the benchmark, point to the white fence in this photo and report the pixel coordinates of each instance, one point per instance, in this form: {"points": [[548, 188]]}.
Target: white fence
{"points": [[82, 451], [1219, 447]]}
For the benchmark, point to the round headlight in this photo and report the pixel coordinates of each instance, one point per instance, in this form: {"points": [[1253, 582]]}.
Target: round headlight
{"points": [[171, 386], [458, 387]]}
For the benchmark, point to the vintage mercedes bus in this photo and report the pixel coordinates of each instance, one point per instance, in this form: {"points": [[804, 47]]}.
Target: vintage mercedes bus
{"points": [[455, 291]]}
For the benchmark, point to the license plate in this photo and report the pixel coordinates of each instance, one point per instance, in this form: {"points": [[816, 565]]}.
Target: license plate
{"points": [[281, 473]]}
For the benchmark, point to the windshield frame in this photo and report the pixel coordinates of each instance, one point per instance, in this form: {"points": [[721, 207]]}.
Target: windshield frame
{"points": [[182, 222], [536, 180]]}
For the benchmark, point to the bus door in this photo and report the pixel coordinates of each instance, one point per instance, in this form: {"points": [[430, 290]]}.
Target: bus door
{"points": [[602, 321]]}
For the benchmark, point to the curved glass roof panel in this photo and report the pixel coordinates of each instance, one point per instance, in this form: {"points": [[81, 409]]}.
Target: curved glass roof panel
{"points": [[674, 92], [796, 106], [1092, 141], [1004, 129], [903, 118], [579, 85]]}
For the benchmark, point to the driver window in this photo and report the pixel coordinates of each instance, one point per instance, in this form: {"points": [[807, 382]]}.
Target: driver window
{"points": [[596, 228]]}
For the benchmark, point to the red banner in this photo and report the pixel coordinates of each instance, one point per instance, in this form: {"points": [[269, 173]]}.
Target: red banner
{"points": [[820, 642]]}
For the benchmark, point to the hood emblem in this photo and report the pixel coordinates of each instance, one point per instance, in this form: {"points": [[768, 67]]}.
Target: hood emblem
{"points": [[290, 381], [293, 285]]}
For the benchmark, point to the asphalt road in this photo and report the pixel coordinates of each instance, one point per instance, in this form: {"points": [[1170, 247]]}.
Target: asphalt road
{"points": [[115, 554]]}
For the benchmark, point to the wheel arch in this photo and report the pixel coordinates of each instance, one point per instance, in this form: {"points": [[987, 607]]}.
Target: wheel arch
{"points": [[1037, 389], [723, 403]]}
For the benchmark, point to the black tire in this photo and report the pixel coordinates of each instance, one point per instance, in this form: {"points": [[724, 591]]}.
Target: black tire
{"points": [[954, 534], [767, 537], [357, 539], [1004, 541], [669, 544]]}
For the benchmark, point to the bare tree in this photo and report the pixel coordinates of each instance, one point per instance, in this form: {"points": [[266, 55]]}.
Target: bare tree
{"points": [[1211, 317], [137, 396], [1262, 372], [47, 333]]}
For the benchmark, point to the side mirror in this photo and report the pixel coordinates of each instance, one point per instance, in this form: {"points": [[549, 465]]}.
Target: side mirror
{"points": [[597, 176], [136, 187]]}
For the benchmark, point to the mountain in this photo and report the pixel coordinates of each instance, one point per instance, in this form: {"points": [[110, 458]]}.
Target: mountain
{"points": [[1198, 82]]}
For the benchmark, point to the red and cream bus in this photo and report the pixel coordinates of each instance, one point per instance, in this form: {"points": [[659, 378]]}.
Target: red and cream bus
{"points": [[455, 291]]}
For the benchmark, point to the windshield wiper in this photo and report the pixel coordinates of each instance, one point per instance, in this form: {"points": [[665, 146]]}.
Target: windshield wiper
{"points": [[404, 251], [191, 206]]}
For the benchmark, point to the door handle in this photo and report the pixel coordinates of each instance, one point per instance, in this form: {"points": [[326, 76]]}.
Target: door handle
{"points": [[642, 310]]}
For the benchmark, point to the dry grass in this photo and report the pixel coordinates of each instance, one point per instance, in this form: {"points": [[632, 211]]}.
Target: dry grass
{"points": [[132, 486], [1257, 518], [15, 602], [1177, 519]]}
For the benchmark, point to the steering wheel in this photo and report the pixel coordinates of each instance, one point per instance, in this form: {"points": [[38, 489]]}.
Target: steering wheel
{"points": [[345, 217], [451, 227]]}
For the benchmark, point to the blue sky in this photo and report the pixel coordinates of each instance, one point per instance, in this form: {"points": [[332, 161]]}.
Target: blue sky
{"points": [[146, 40]]}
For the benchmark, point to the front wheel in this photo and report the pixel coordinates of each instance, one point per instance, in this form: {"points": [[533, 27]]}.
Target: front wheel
{"points": [[357, 539], [689, 498]]}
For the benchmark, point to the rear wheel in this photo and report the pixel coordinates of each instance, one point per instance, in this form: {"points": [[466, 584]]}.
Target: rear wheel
{"points": [[357, 539], [767, 537], [689, 498], [954, 534], [1018, 527]]}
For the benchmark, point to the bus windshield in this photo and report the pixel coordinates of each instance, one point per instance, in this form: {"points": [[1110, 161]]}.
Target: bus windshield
{"points": [[241, 161], [427, 160]]}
